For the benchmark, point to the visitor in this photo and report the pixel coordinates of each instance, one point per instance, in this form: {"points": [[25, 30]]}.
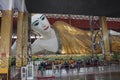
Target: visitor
{"points": [[40, 69], [66, 65], [78, 66]]}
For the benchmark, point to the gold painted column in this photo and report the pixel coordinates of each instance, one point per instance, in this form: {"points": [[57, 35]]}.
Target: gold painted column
{"points": [[25, 39], [106, 39], [19, 51], [5, 42]]}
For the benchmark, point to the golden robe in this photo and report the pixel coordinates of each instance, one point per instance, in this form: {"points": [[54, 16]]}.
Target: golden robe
{"points": [[77, 41]]}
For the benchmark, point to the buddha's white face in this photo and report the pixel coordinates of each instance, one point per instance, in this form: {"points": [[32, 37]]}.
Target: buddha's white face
{"points": [[40, 24]]}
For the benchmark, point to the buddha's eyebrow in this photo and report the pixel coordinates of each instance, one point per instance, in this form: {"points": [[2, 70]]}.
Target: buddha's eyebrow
{"points": [[35, 21], [41, 16]]}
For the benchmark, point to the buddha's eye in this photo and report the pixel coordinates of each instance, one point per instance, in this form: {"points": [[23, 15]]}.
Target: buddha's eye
{"points": [[36, 24], [43, 18]]}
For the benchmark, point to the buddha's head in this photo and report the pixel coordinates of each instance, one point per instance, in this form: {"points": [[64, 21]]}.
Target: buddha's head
{"points": [[40, 24]]}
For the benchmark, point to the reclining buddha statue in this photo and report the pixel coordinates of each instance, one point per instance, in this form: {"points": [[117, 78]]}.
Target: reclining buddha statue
{"points": [[62, 37]]}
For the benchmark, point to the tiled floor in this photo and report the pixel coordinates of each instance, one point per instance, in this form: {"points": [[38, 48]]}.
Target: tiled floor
{"points": [[86, 73], [91, 73]]}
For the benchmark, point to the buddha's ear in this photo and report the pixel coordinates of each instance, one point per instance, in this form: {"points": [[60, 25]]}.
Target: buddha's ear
{"points": [[32, 14], [36, 13]]}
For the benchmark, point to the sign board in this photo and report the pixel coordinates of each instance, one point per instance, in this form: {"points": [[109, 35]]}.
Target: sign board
{"points": [[23, 73], [30, 71]]}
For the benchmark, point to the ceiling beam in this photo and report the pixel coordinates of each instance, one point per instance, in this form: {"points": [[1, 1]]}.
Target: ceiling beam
{"points": [[108, 8]]}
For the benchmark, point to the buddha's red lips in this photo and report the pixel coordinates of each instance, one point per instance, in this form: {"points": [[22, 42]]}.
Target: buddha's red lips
{"points": [[46, 28]]}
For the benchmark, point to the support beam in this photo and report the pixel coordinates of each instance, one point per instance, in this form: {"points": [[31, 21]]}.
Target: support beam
{"points": [[29, 40], [92, 35], [106, 38], [95, 35], [6, 39]]}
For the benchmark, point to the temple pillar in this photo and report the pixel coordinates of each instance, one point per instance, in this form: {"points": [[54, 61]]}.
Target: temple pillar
{"points": [[25, 39], [5, 42], [19, 51]]}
